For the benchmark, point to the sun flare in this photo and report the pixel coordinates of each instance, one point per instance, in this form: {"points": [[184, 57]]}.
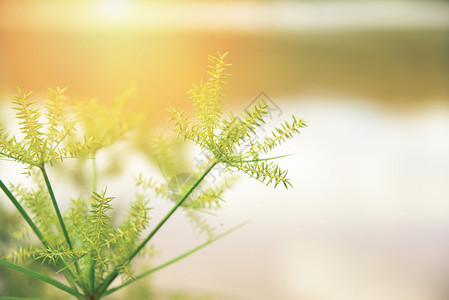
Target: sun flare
{"points": [[114, 11]]}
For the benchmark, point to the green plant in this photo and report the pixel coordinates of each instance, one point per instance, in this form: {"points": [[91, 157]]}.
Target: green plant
{"points": [[83, 245]]}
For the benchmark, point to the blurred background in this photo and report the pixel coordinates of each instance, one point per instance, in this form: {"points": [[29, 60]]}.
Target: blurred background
{"points": [[369, 215]]}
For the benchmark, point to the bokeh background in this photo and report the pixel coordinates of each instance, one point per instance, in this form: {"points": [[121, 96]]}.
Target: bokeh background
{"points": [[369, 215]]}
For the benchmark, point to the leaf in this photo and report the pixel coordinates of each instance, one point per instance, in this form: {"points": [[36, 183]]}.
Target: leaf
{"points": [[176, 259], [125, 238], [41, 277], [30, 125], [22, 212], [19, 298], [99, 228], [208, 98], [279, 135], [265, 172], [22, 254]]}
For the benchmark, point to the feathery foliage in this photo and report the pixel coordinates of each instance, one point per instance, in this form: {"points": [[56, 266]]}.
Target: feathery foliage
{"points": [[43, 140], [230, 140], [106, 123], [84, 244]]}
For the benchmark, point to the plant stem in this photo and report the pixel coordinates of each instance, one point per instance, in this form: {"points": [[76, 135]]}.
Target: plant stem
{"points": [[42, 277], [56, 207], [108, 280], [94, 172], [19, 298], [23, 213], [92, 273], [94, 189], [58, 213], [172, 261], [259, 159], [67, 273]]}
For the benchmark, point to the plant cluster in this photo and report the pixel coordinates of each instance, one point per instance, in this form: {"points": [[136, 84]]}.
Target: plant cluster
{"points": [[83, 244]]}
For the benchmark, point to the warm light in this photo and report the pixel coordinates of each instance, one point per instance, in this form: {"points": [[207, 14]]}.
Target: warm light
{"points": [[115, 11]]}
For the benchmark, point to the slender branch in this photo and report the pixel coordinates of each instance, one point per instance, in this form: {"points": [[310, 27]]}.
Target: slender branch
{"points": [[108, 280], [94, 173], [20, 298], [62, 138], [8, 155], [176, 259], [258, 159], [94, 189], [58, 213], [42, 277], [92, 273], [24, 214], [56, 207], [33, 226]]}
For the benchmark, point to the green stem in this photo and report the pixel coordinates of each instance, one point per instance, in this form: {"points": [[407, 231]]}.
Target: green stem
{"points": [[31, 224], [110, 291], [19, 298], [23, 213], [92, 273], [257, 160], [94, 189], [58, 213], [42, 277], [108, 280], [94, 173], [56, 207]]}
